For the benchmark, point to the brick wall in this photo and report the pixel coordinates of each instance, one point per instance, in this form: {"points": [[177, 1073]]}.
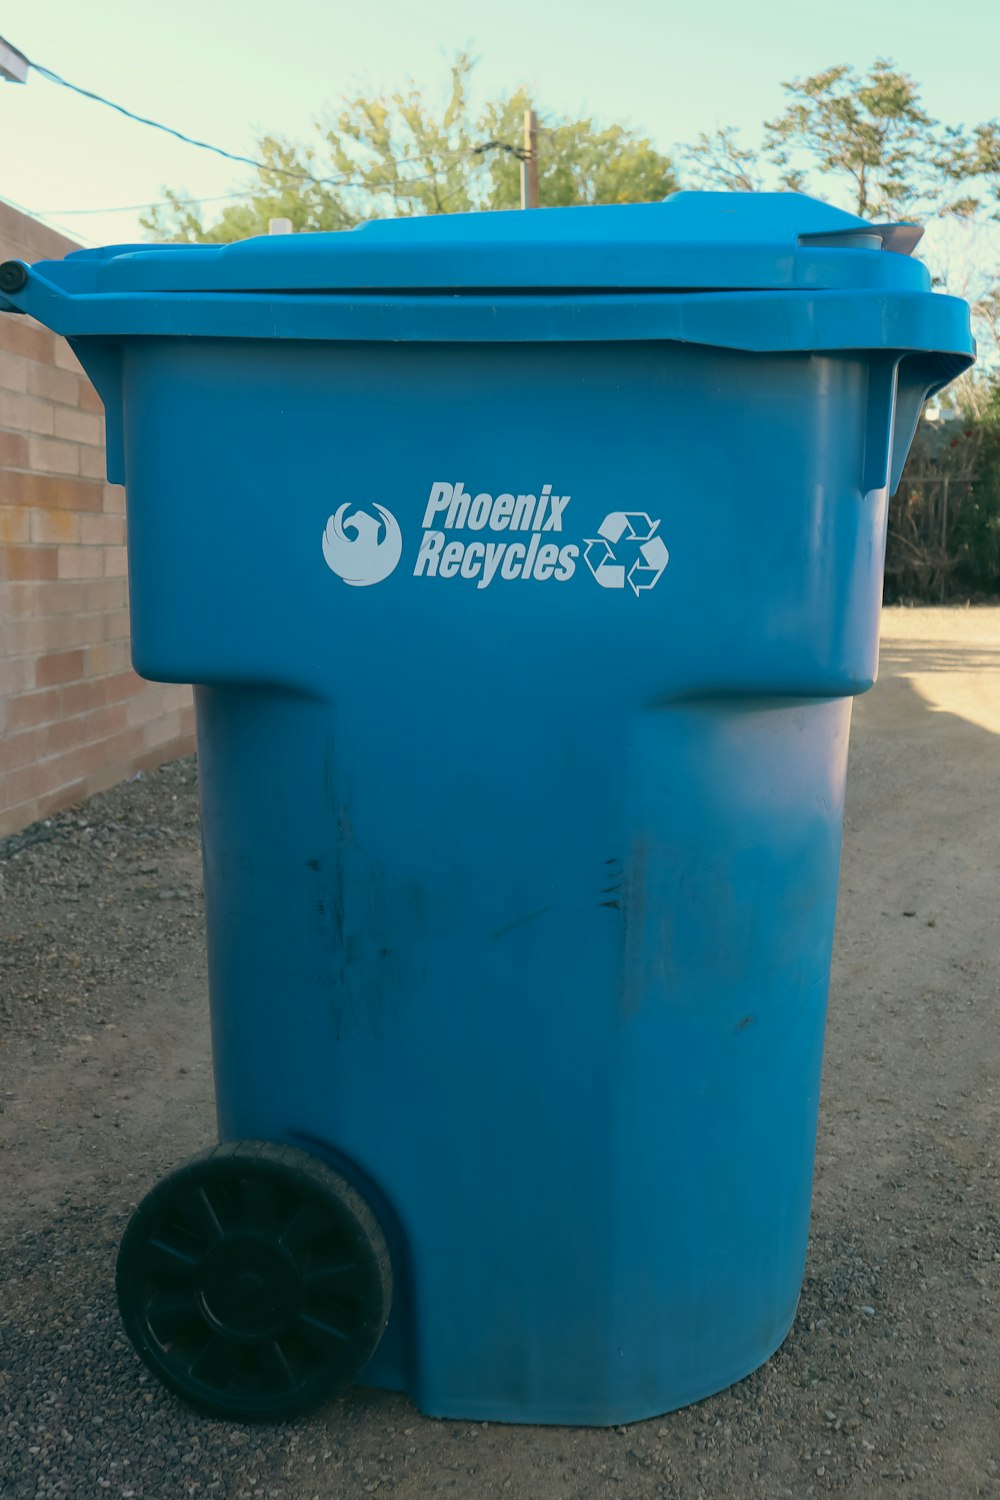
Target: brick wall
{"points": [[74, 718]]}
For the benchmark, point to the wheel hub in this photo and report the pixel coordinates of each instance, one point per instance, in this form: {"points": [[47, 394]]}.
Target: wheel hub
{"points": [[248, 1289]]}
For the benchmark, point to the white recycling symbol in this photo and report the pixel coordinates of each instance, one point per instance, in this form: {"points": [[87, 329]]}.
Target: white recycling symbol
{"points": [[629, 526]]}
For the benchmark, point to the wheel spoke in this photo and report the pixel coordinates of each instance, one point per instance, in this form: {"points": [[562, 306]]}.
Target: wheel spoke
{"points": [[169, 1312], [339, 1278], [198, 1211], [275, 1366], [215, 1362], [169, 1260], [325, 1337], [310, 1222]]}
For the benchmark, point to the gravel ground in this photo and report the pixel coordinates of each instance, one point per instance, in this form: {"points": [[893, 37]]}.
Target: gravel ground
{"points": [[890, 1380]]}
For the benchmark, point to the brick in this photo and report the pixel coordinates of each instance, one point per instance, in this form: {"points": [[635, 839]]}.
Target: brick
{"points": [[10, 225], [122, 746], [87, 729], [63, 797], [150, 760], [53, 457], [102, 593], [116, 624], [26, 598], [89, 399], [163, 728], [16, 676], [26, 413], [145, 706], [176, 695], [29, 709], [13, 450], [28, 562], [79, 562], [18, 816], [13, 371], [43, 598], [114, 499], [52, 384], [107, 776], [42, 243], [81, 697], [102, 530], [29, 636], [17, 750], [23, 336], [93, 463], [115, 562], [49, 491], [122, 685], [55, 526], [13, 524], [34, 781], [65, 358], [78, 426], [106, 657], [73, 629], [106, 721], [59, 666]]}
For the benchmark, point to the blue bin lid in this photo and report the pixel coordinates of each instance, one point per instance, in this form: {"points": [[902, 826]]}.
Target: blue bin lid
{"points": [[691, 241], [751, 271]]}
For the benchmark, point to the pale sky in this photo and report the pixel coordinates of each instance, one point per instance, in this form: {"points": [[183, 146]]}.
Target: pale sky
{"points": [[223, 70]]}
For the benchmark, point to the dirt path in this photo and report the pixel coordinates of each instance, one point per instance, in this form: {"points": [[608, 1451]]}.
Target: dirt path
{"points": [[891, 1378]]}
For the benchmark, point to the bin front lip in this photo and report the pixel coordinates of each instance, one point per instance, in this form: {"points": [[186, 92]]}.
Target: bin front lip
{"points": [[799, 321]]}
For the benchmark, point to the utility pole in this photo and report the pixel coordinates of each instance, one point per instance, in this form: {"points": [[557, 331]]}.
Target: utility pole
{"points": [[529, 162]]}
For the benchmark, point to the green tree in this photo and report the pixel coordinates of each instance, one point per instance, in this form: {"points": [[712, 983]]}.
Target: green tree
{"points": [[719, 161], [870, 133], [865, 140], [394, 155], [975, 158]]}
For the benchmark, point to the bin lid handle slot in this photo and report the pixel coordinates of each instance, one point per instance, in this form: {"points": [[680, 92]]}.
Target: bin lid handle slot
{"points": [[898, 239]]}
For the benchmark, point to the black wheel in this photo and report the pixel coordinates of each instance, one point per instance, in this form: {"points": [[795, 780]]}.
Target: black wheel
{"points": [[254, 1281]]}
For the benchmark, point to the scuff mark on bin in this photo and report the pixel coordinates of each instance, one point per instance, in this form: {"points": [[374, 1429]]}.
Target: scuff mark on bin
{"points": [[636, 976], [746, 1021], [522, 921], [330, 772]]}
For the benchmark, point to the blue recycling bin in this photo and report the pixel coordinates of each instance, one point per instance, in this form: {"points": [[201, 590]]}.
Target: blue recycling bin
{"points": [[526, 567]]}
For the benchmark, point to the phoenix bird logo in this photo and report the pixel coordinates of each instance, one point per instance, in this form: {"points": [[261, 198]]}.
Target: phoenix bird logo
{"points": [[371, 553]]}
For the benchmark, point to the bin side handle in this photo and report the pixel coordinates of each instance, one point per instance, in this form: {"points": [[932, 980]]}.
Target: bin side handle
{"points": [[898, 386], [918, 377], [880, 421], [102, 360]]}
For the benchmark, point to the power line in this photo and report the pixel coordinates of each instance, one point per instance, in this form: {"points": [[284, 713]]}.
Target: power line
{"points": [[480, 149], [188, 140], [249, 193], [134, 208], [248, 161]]}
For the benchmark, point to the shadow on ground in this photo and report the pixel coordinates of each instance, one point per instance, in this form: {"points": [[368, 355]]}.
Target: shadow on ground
{"points": [[891, 1377]]}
